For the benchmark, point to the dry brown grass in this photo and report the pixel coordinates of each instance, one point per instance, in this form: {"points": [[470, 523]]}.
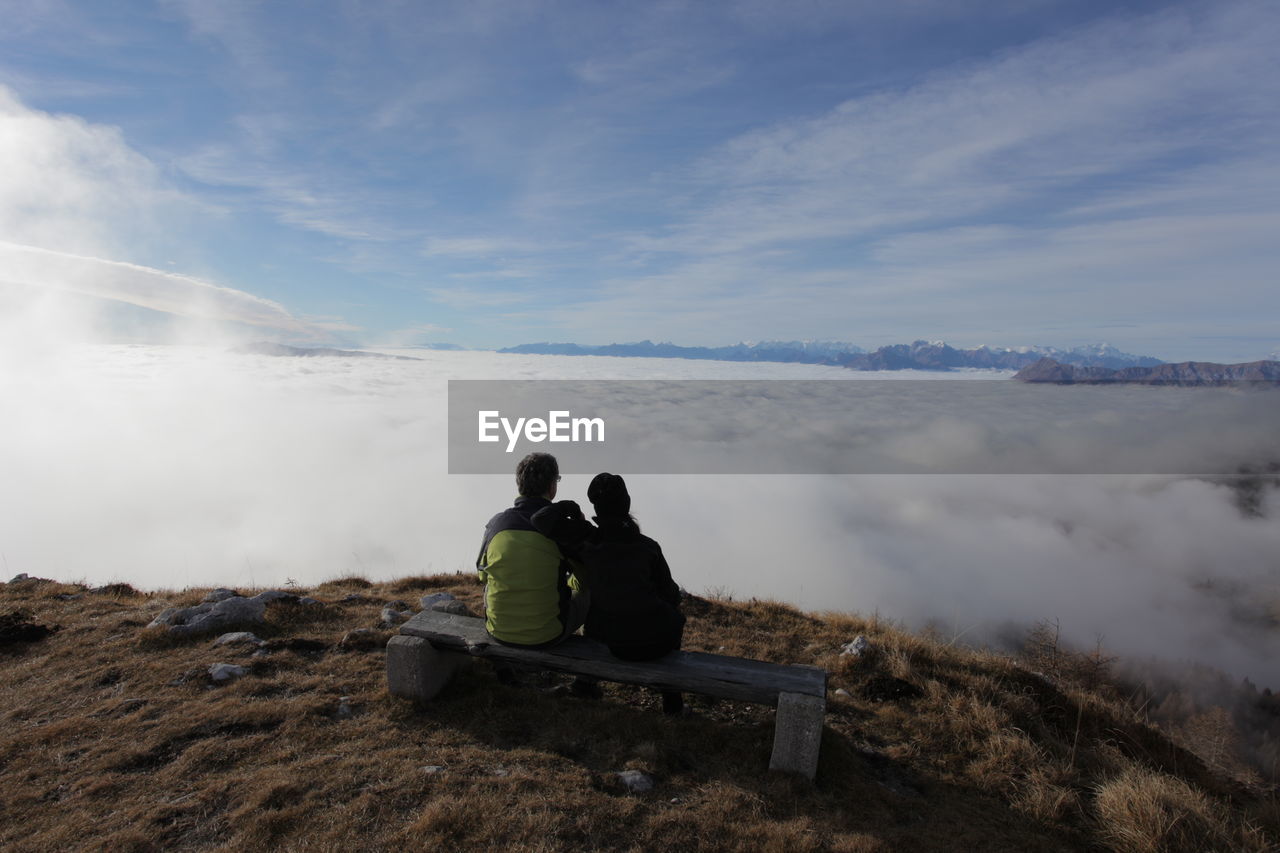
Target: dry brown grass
{"points": [[1149, 812], [113, 740]]}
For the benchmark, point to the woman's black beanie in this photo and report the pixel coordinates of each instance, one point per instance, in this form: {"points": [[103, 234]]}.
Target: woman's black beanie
{"points": [[608, 494]]}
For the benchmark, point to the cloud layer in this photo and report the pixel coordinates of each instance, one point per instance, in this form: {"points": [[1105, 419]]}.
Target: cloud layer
{"points": [[189, 466]]}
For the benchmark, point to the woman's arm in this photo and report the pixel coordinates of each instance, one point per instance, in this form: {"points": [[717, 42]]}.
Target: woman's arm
{"points": [[564, 524]]}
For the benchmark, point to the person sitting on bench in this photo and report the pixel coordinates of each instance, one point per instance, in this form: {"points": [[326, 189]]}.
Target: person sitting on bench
{"points": [[527, 596], [635, 605]]}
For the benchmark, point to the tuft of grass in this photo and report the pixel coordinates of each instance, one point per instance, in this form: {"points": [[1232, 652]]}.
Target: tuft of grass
{"points": [[1144, 811], [422, 583], [344, 584]]}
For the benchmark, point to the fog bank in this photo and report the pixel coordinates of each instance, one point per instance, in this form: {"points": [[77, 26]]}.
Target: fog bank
{"points": [[191, 466]]}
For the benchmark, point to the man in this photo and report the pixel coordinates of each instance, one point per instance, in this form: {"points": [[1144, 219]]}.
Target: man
{"points": [[528, 600]]}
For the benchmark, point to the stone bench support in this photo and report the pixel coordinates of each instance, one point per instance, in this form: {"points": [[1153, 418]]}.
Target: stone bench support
{"points": [[422, 659]]}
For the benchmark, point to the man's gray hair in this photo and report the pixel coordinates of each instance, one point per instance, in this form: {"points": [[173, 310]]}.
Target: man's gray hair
{"points": [[536, 473]]}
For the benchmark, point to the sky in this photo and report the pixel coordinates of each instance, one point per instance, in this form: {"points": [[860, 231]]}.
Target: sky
{"points": [[495, 173]]}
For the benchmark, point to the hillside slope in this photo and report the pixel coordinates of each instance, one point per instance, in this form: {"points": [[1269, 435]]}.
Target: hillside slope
{"points": [[113, 737]]}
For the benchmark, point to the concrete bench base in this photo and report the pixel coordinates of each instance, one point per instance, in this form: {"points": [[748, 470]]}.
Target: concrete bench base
{"points": [[424, 657], [417, 670]]}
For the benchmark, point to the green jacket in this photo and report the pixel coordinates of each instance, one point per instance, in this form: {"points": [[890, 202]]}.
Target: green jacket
{"points": [[526, 577]]}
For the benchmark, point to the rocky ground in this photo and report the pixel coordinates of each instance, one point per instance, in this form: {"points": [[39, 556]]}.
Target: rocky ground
{"points": [[242, 719]]}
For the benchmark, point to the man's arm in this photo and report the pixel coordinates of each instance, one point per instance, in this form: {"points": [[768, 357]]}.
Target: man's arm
{"points": [[481, 560]]}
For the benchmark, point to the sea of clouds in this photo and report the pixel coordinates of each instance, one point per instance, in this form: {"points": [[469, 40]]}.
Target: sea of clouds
{"points": [[176, 466]]}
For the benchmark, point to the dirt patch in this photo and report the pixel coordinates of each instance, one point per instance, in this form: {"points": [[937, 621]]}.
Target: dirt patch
{"points": [[17, 626], [886, 688]]}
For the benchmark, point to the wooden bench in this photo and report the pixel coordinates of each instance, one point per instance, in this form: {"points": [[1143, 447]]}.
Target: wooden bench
{"points": [[423, 657]]}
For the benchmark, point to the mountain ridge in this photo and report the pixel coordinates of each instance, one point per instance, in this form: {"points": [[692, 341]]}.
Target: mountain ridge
{"points": [[918, 355], [1182, 373]]}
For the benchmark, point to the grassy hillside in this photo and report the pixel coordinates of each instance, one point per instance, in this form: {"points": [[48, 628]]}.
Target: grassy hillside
{"points": [[113, 737]]}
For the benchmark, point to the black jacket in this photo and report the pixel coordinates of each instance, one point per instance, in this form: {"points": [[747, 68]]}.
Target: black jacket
{"points": [[635, 605]]}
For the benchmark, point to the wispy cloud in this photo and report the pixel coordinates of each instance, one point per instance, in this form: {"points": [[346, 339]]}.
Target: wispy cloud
{"points": [[295, 196], [470, 247], [422, 333], [478, 297], [1121, 166], [75, 197], [1141, 99], [146, 287]]}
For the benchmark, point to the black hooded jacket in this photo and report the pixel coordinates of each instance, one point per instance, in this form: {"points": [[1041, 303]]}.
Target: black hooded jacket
{"points": [[635, 605]]}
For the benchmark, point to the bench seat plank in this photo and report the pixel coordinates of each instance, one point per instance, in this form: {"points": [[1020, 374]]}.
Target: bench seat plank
{"points": [[690, 672]]}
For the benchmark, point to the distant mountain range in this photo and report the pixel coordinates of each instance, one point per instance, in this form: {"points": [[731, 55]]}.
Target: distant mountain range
{"points": [[919, 355], [806, 352], [936, 355], [1183, 373]]}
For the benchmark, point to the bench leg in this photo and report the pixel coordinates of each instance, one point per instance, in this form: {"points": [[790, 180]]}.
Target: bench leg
{"points": [[797, 733], [417, 670]]}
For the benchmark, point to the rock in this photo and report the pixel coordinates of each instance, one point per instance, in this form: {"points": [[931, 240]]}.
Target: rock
{"points": [[275, 595], [238, 608], [225, 613], [178, 617], [843, 694], [432, 769], [26, 580], [307, 601], [391, 617], [166, 617], [857, 647], [635, 781], [206, 618], [114, 589], [455, 607], [221, 673], [428, 602], [68, 596], [363, 639], [219, 594], [344, 708], [353, 598], [397, 605], [238, 638]]}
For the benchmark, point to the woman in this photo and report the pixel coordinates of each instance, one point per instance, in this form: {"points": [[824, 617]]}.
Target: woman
{"points": [[635, 605]]}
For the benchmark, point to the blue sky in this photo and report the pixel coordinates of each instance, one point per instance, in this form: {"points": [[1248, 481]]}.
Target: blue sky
{"points": [[492, 173]]}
